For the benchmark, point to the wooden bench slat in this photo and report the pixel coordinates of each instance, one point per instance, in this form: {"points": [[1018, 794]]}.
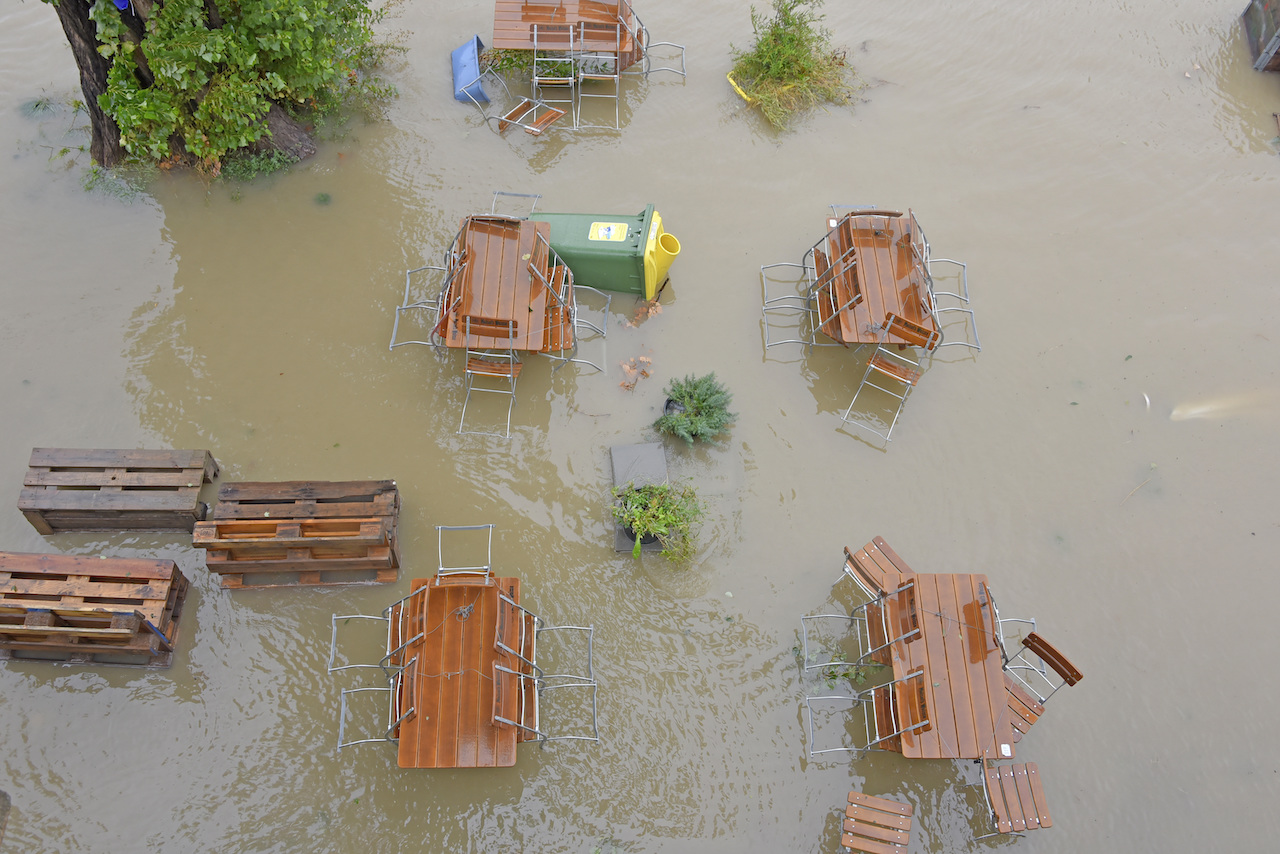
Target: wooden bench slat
{"points": [[891, 822], [870, 834]]}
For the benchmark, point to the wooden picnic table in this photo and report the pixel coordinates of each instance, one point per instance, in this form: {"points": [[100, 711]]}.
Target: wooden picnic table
{"points": [[965, 696], [450, 677], [498, 297], [589, 24], [879, 254]]}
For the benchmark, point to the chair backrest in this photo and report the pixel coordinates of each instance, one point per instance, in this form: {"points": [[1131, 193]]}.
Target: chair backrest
{"points": [[911, 332], [876, 567], [913, 702], [907, 623], [1053, 658]]}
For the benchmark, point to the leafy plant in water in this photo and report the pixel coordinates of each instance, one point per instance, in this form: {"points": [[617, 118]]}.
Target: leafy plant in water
{"points": [[245, 166], [659, 510], [839, 668], [703, 411], [792, 65]]}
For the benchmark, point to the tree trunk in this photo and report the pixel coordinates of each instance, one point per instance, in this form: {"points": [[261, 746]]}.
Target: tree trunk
{"points": [[82, 34], [284, 134]]}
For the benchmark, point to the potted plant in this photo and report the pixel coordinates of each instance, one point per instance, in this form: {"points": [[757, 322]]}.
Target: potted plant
{"points": [[696, 408], [661, 511]]}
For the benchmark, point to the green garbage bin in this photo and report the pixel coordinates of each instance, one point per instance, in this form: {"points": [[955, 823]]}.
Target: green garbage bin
{"points": [[626, 254]]}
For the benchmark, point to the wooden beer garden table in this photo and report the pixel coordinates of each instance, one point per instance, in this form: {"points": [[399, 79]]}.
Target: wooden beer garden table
{"points": [[880, 255], [494, 293], [963, 669], [451, 677], [514, 20]]}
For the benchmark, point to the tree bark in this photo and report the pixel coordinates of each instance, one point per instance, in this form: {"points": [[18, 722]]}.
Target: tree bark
{"points": [[82, 35], [284, 134]]}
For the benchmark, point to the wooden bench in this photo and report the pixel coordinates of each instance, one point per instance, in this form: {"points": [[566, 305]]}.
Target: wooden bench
{"points": [[302, 533], [1016, 798], [876, 825], [90, 610], [72, 489]]}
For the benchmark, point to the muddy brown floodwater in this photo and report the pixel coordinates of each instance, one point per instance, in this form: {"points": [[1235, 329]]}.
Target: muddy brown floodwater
{"points": [[1109, 173]]}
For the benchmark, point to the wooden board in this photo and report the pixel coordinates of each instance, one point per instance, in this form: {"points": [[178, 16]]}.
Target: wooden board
{"points": [[453, 690], [74, 489], [307, 499], [303, 533]]}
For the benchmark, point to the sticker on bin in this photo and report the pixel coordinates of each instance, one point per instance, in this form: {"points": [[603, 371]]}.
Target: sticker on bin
{"points": [[608, 231]]}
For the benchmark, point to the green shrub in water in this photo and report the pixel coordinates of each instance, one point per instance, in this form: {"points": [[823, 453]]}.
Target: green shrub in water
{"points": [[792, 65], [705, 403]]}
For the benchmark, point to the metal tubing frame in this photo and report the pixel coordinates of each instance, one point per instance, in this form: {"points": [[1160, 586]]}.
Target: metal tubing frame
{"points": [[486, 569], [900, 397], [431, 304]]}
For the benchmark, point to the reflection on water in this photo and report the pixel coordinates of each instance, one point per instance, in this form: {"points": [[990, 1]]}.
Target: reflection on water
{"points": [[1117, 219]]}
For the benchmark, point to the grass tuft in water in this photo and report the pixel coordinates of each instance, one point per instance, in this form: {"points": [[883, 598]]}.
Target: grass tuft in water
{"points": [[37, 106], [248, 166], [792, 66]]}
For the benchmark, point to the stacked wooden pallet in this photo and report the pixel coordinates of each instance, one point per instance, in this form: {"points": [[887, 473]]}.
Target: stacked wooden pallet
{"points": [[302, 532], [88, 609], [71, 489]]}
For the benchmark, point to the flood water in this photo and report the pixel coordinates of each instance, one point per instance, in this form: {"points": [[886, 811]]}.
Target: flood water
{"points": [[1108, 171]]}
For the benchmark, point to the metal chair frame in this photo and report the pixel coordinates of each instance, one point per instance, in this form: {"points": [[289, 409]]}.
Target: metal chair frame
{"points": [[788, 304], [891, 385], [1031, 668], [485, 570], [510, 375], [391, 664], [870, 717], [858, 620]]}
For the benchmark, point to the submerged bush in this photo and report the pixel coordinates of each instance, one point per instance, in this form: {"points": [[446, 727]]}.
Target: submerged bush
{"points": [[792, 65]]}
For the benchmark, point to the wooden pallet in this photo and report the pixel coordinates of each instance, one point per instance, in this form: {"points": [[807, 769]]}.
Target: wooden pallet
{"points": [[90, 610], [302, 533], [71, 489]]}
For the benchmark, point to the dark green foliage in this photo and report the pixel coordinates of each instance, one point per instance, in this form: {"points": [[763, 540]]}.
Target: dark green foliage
{"points": [[245, 166], [792, 65], [210, 87], [659, 510], [706, 409]]}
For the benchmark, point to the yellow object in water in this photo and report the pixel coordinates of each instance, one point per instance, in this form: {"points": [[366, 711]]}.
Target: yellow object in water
{"points": [[738, 89], [661, 248]]}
